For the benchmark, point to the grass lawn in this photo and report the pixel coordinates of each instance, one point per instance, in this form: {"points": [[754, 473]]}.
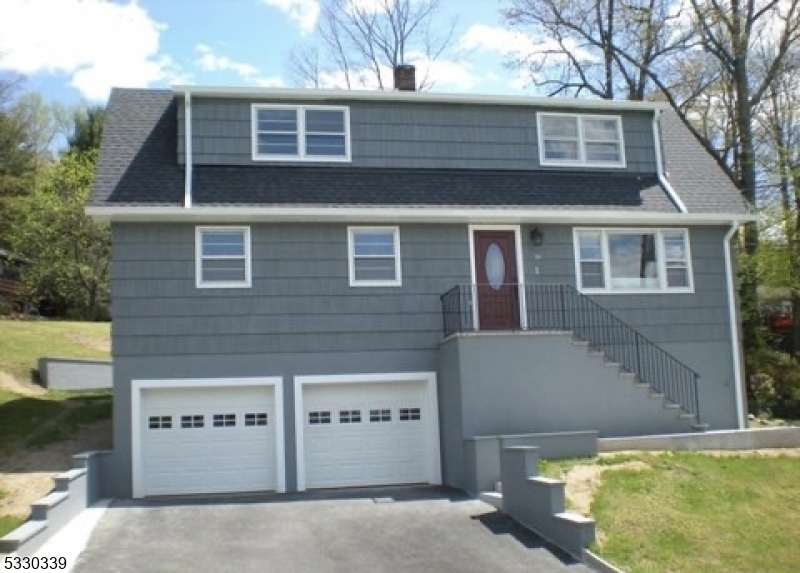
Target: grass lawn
{"points": [[23, 342], [9, 524], [700, 513]]}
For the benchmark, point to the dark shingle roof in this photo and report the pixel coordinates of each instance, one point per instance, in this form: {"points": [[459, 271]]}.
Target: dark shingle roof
{"points": [[138, 166], [702, 184]]}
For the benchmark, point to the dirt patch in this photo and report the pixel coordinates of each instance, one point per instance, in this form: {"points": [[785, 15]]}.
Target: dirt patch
{"points": [[12, 384], [584, 481], [28, 475], [94, 342]]}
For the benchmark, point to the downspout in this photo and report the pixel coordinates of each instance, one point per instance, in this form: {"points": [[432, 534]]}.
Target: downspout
{"points": [[662, 178], [735, 345], [187, 138]]}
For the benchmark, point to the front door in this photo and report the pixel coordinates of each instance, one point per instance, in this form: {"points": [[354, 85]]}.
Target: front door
{"points": [[496, 274]]}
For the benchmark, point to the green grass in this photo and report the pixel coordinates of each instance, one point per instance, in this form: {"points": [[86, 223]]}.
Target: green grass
{"points": [[9, 524], [700, 513], [38, 421], [23, 342]]}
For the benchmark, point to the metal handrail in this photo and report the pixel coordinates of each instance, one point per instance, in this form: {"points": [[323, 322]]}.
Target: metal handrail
{"points": [[563, 307]]}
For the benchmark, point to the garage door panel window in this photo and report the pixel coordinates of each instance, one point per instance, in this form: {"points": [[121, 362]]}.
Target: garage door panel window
{"points": [[223, 257], [159, 422], [322, 417], [408, 414], [349, 416], [380, 415], [255, 419], [224, 420], [192, 421]]}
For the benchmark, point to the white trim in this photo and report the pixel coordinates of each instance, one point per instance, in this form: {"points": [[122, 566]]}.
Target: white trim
{"points": [[275, 382], [581, 161], [429, 378], [661, 261], [734, 328], [662, 176], [301, 134], [351, 265], [187, 136], [198, 258], [394, 214], [523, 316], [294, 95]]}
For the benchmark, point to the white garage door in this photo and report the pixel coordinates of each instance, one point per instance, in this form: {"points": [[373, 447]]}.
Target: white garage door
{"points": [[208, 440], [366, 434]]}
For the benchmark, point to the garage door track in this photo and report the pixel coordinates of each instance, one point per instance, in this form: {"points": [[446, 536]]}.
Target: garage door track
{"points": [[371, 531]]}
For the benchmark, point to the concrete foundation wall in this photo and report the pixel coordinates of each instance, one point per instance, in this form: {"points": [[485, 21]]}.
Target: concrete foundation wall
{"points": [[75, 374], [725, 440]]}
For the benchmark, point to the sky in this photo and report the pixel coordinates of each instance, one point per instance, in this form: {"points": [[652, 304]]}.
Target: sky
{"points": [[74, 51]]}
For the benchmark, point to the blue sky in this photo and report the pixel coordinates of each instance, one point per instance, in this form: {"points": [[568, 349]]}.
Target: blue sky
{"points": [[73, 50]]}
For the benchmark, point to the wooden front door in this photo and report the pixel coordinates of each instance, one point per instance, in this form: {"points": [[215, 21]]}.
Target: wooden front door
{"points": [[496, 274]]}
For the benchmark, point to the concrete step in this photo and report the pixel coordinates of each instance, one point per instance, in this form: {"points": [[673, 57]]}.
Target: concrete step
{"points": [[63, 479], [21, 535], [40, 509], [493, 498]]}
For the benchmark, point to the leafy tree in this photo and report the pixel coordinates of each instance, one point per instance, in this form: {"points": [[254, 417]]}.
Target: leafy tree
{"points": [[360, 42], [68, 252], [87, 128]]}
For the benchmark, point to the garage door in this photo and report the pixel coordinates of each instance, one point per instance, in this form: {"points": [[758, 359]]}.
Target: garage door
{"points": [[208, 440], [366, 434]]}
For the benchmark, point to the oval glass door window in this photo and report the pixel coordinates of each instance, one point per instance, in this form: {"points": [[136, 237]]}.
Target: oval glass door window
{"points": [[495, 266]]}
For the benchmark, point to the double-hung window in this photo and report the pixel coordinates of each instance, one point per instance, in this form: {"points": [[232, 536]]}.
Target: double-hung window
{"points": [[222, 257], [580, 140], [633, 260], [300, 133], [374, 256]]}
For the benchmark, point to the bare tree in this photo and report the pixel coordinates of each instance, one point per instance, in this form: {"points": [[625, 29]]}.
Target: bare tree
{"points": [[359, 42]]}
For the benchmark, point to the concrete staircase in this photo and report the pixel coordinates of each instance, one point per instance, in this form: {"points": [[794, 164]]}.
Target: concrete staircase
{"points": [[538, 502]]}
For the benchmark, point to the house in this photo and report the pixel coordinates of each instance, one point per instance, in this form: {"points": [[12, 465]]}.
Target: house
{"points": [[318, 288]]}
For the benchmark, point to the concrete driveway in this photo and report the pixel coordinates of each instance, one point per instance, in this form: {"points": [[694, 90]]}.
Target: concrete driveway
{"points": [[371, 531]]}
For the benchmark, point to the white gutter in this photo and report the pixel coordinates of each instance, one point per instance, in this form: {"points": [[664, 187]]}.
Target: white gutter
{"points": [[294, 95], [662, 177], [734, 324], [187, 136], [403, 213]]}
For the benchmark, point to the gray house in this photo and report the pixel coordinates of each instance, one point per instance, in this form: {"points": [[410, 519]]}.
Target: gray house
{"points": [[320, 289]]}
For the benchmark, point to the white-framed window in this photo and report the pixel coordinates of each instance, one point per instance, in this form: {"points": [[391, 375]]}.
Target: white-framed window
{"points": [[579, 139], [222, 257], [633, 260], [374, 256], [300, 133]]}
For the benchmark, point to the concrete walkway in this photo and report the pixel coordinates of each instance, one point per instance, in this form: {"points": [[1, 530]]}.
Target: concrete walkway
{"points": [[434, 530]]}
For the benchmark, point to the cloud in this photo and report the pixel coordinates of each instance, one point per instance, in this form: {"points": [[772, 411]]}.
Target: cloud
{"points": [[208, 61], [98, 44], [304, 13], [211, 62], [497, 40]]}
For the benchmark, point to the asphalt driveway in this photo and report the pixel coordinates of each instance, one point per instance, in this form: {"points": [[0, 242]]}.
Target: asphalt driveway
{"points": [[427, 529]]}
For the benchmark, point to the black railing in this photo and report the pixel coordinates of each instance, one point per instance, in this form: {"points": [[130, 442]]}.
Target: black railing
{"points": [[561, 307]]}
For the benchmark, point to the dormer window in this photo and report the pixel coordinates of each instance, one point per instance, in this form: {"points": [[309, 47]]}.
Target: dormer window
{"points": [[580, 140], [300, 133]]}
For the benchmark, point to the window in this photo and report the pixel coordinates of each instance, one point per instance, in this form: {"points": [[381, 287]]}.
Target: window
{"points": [[590, 140], [374, 256], [224, 420], [349, 416], [407, 414], [380, 415], [633, 260], [192, 421], [159, 422], [301, 133], [319, 417], [255, 419], [222, 257]]}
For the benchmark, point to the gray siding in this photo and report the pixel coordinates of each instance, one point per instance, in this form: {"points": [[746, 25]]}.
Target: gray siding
{"points": [[408, 135], [301, 318]]}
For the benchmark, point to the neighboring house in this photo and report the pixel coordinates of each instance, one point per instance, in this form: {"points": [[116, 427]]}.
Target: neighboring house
{"points": [[340, 288]]}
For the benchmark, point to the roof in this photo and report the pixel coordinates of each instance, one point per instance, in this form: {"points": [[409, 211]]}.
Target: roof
{"points": [[138, 167]]}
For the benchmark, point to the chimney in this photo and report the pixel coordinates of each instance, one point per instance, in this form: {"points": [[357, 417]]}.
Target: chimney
{"points": [[405, 78]]}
